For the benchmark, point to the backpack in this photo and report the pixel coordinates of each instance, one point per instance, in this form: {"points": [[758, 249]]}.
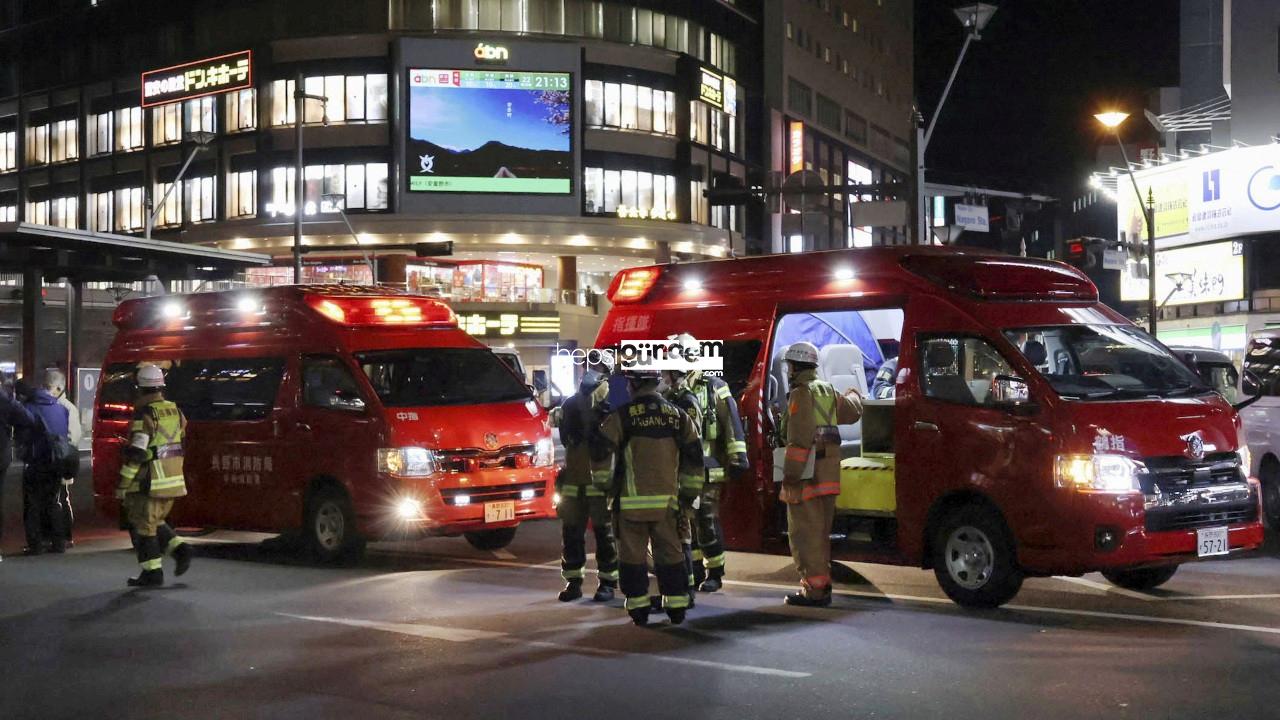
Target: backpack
{"points": [[61, 457]]}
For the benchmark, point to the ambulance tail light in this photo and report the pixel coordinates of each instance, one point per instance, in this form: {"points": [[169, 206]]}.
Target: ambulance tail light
{"points": [[407, 311], [634, 284]]}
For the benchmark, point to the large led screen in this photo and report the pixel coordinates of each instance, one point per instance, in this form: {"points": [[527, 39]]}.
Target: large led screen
{"points": [[490, 131]]}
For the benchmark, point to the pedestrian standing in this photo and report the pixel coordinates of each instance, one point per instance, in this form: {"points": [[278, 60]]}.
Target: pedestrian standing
{"points": [[811, 472], [56, 385], [152, 478], [658, 459], [41, 432], [581, 502]]}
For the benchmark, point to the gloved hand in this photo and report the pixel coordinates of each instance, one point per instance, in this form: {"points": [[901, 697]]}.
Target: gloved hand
{"points": [[791, 494], [739, 463]]}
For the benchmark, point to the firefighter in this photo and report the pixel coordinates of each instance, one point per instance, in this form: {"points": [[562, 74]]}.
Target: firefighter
{"points": [[658, 464], [151, 478], [676, 392], [580, 501], [811, 472], [724, 448]]}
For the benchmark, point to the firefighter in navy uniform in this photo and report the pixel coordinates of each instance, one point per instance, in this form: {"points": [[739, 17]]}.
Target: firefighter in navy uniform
{"points": [[675, 391], [811, 472], [580, 501], [151, 478], [724, 448], [658, 460]]}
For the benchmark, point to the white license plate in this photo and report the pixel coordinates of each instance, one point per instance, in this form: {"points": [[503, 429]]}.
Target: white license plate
{"points": [[500, 511], [1212, 541]]}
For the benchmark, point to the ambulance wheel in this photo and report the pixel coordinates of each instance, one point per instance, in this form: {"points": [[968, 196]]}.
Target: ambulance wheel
{"points": [[491, 539], [1269, 473], [1142, 578], [330, 527], [973, 558]]}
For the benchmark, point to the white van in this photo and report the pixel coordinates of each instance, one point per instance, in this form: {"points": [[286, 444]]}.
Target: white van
{"points": [[1262, 418]]}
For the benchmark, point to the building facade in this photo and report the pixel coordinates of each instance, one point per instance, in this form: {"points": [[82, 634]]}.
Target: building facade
{"points": [[508, 155]]}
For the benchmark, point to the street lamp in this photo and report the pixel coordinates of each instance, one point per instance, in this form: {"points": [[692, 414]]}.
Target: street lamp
{"points": [[201, 140], [339, 201], [1112, 120], [974, 18], [300, 98]]}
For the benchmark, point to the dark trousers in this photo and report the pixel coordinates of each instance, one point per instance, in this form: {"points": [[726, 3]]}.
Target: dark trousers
{"points": [[4, 469], [708, 532], [40, 508], [577, 509]]}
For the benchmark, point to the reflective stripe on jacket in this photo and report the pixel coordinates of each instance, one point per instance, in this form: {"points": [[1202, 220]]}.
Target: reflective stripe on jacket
{"points": [[655, 446], [814, 409], [153, 457]]}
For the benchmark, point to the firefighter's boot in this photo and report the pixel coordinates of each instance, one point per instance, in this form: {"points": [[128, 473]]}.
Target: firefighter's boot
{"points": [[572, 590], [714, 581], [149, 560], [604, 593]]}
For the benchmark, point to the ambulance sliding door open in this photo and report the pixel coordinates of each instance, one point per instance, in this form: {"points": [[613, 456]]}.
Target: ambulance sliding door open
{"points": [[857, 349]]}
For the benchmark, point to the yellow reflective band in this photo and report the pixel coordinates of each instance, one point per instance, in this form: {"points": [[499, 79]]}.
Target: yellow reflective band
{"points": [[637, 602], [715, 474], [648, 502], [174, 544], [593, 491], [736, 446], [722, 392], [152, 564], [601, 477], [609, 575], [691, 480], [697, 554], [571, 574], [675, 602], [715, 561]]}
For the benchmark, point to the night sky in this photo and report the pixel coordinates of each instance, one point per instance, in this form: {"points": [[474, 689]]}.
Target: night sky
{"points": [[1020, 116]]}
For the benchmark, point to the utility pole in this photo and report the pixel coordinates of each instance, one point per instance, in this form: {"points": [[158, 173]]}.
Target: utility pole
{"points": [[300, 98]]}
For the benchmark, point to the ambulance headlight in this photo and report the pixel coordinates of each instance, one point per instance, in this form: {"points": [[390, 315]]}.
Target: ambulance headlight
{"points": [[544, 452], [1246, 459], [406, 461], [408, 508], [1097, 473]]}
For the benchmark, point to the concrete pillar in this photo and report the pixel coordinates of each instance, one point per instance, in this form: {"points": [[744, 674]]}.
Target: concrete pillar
{"points": [[391, 268], [31, 289], [662, 254], [75, 316], [567, 267]]}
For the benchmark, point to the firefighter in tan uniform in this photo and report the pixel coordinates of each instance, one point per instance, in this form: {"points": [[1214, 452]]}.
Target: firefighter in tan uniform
{"points": [[151, 478], [811, 473], [648, 459]]}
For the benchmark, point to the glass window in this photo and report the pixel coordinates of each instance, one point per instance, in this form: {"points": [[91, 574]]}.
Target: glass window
{"points": [[99, 135], [128, 209], [199, 115], [593, 190], [629, 188], [282, 109], [280, 201], [613, 104], [242, 110], [1105, 362], [38, 145], [441, 376], [328, 384], [171, 209], [644, 109], [1262, 367], [594, 92], [200, 195], [355, 187], [313, 110], [336, 105], [242, 192], [375, 182], [128, 129], [225, 390], [660, 106], [8, 151], [100, 207], [960, 369], [38, 212], [8, 213], [64, 141], [628, 118], [166, 124], [355, 98], [375, 88], [799, 97], [64, 212], [490, 14], [312, 182]]}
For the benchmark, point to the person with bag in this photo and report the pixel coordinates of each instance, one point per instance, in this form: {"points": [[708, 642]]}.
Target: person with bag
{"points": [[811, 472], [152, 478], [41, 438], [56, 384]]}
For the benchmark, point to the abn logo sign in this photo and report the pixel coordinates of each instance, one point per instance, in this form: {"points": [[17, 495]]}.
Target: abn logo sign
{"points": [[491, 54]]}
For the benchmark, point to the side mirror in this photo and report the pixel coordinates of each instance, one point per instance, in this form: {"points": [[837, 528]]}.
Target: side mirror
{"points": [[1252, 384], [1011, 393]]}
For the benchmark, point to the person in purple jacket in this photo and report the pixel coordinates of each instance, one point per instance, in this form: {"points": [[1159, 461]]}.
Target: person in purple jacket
{"points": [[37, 418]]}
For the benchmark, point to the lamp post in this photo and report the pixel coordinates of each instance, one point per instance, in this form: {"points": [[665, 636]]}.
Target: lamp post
{"points": [[201, 140], [300, 98], [339, 201], [974, 18], [1112, 121]]}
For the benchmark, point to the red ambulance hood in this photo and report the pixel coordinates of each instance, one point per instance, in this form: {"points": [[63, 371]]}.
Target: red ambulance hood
{"points": [[453, 427], [1150, 428]]}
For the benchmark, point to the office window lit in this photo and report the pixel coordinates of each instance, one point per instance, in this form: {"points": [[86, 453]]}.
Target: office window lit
{"points": [[8, 151], [98, 135], [363, 185], [166, 124], [170, 214], [101, 212], [629, 193], [129, 209], [128, 129], [200, 195], [242, 110], [59, 212], [53, 142], [200, 115], [242, 194], [629, 107], [348, 98], [8, 213]]}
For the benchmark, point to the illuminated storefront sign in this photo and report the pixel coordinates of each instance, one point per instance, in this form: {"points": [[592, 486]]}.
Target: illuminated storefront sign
{"points": [[639, 213], [510, 325], [1187, 275], [797, 146], [491, 54], [711, 89], [197, 79]]}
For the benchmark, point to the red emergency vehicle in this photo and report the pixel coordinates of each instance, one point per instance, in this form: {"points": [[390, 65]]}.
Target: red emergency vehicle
{"points": [[1014, 426], [345, 412]]}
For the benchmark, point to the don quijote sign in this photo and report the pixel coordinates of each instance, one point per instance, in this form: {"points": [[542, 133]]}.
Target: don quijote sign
{"points": [[211, 76]]}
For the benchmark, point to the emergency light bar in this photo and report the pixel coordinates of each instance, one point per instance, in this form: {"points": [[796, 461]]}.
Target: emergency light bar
{"points": [[632, 285], [392, 310]]}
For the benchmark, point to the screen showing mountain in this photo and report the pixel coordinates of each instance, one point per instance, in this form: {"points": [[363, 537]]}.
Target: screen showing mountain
{"points": [[490, 131]]}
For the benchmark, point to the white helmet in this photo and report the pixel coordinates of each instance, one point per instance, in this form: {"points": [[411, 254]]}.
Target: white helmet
{"points": [[803, 351], [150, 376]]}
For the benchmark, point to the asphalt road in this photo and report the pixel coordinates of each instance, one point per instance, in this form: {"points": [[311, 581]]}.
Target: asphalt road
{"points": [[438, 629]]}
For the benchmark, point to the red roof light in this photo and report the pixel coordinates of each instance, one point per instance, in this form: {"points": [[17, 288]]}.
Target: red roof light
{"points": [[632, 285], [390, 310]]}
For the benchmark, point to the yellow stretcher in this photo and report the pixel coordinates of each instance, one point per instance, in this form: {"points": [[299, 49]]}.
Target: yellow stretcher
{"points": [[867, 485]]}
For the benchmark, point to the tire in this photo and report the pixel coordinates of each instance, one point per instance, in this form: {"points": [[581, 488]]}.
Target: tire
{"points": [[330, 527], [1141, 578], [974, 558], [491, 539], [1269, 474]]}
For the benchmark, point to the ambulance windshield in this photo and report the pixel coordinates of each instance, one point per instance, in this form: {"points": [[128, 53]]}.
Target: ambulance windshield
{"points": [[441, 376]]}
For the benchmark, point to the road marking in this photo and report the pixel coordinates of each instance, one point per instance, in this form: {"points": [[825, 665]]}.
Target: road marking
{"points": [[454, 634], [1104, 587], [1259, 596], [924, 599], [503, 554]]}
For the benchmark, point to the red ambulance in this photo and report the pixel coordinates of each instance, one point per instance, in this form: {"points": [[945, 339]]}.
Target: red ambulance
{"points": [[349, 413], [1014, 426]]}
